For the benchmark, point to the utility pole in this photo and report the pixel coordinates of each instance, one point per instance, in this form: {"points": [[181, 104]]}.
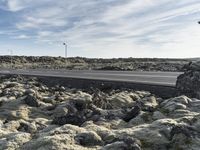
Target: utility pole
{"points": [[65, 44]]}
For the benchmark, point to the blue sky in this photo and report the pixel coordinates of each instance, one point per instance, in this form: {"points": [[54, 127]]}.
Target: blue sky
{"points": [[101, 28]]}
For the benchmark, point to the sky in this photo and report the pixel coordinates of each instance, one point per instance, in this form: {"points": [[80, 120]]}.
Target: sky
{"points": [[101, 28]]}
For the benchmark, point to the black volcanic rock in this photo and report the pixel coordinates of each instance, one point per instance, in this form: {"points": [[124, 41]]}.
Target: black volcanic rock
{"points": [[189, 82], [74, 119], [192, 66], [89, 139], [132, 114], [31, 101]]}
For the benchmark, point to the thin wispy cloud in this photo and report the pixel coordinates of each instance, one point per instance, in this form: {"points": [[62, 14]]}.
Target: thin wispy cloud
{"points": [[101, 28]]}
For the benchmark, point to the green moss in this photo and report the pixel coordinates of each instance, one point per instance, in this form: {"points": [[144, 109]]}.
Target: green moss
{"points": [[164, 111], [145, 117], [188, 141], [178, 148], [145, 144]]}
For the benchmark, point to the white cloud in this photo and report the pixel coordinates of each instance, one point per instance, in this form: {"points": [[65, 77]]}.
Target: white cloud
{"points": [[17, 5], [31, 22], [151, 27], [23, 36], [14, 5]]}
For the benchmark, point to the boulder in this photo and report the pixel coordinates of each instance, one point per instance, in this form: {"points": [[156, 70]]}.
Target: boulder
{"points": [[193, 66], [128, 143], [137, 120], [105, 133], [132, 114], [27, 127], [122, 99], [57, 138], [189, 82], [74, 119], [149, 103], [185, 137], [60, 110], [31, 101], [158, 115], [89, 139], [81, 100], [30, 91], [176, 103], [182, 142], [14, 109], [12, 126], [154, 136], [119, 145], [14, 140]]}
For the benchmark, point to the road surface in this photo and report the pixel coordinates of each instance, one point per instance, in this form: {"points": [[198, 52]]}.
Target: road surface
{"points": [[152, 78]]}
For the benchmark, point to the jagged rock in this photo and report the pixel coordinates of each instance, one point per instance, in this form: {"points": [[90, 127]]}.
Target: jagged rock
{"points": [[120, 145], [74, 119], [60, 110], [89, 139], [120, 100], [81, 100], [149, 103], [113, 124], [14, 141], [185, 137], [143, 94], [132, 114], [132, 144], [159, 131], [105, 133], [29, 91], [189, 82], [127, 143], [174, 104], [12, 125], [187, 130], [21, 113], [158, 115], [193, 66], [31, 101], [181, 100], [182, 142], [58, 138], [50, 100], [13, 109], [27, 127], [137, 120]]}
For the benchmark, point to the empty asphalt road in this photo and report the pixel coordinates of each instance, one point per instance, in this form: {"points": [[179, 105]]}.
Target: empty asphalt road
{"points": [[152, 78]]}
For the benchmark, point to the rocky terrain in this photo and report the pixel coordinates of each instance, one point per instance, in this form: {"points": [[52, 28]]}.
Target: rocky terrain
{"points": [[189, 82], [34, 116], [131, 64]]}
